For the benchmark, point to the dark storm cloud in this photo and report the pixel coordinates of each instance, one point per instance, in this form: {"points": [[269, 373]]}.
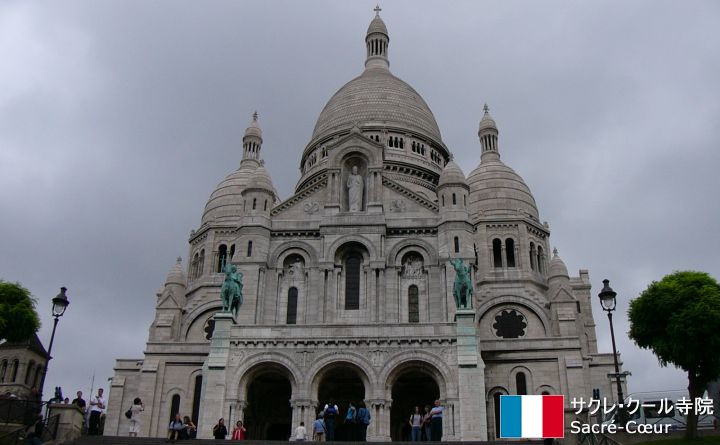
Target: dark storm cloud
{"points": [[117, 120]]}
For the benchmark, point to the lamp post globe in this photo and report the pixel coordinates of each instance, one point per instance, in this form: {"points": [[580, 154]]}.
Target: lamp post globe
{"points": [[608, 302]]}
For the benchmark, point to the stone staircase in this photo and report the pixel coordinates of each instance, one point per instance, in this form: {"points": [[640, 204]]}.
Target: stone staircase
{"points": [[117, 440]]}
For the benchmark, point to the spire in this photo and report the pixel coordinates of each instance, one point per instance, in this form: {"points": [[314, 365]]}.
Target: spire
{"points": [[377, 41], [488, 134], [252, 140]]}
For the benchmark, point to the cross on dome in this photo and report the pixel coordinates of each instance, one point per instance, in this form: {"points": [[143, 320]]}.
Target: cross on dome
{"points": [[377, 10]]}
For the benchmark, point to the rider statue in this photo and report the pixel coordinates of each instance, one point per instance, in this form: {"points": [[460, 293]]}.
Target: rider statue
{"points": [[231, 291], [462, 289]]}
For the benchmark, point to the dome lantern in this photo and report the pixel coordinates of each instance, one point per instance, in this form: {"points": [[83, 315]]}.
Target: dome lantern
{"points": [[488, 134], [377, 41], [252, 140]]}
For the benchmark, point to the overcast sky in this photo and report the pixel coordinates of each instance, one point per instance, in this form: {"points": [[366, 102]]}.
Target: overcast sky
{"points": [[118, 119]]}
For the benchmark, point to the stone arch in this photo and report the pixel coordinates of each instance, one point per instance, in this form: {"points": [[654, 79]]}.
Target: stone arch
{"points": [[192, 317], [340, 242], [327, 362], [519, 301], [424, 248], [342, 152], [545, 388], [435, 365], [493, 411], [255, 364], [299, 247], [512, 383]]}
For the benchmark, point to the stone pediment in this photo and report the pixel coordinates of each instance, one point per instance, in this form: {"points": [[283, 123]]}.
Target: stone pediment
{"points": [[410, 196], [301, 201], [167, 301], [562, 296]]}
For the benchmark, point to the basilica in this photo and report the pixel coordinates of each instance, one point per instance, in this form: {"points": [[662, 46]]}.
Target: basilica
{"points": [[347, 284]]}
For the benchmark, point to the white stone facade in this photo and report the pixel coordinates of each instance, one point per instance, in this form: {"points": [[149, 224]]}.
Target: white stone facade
{"points": [[358, 305]]}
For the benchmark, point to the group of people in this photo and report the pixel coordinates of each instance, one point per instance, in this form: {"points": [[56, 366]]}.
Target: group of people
{"points": [[426, 425], [95, 414], [180, 428], [220, 430], [326, 427]]}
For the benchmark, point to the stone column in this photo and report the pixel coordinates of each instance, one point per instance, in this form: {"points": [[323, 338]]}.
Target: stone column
{"points": [[471, 380], [212, 399], [70, 421], [379, 428]]}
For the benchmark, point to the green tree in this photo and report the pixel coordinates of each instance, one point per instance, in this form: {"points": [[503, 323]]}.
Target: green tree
{"points": [[678, 318], [18, 318]]}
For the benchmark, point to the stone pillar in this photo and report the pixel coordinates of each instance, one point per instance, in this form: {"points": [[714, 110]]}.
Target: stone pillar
{"points": [[471, 381], [212, 400], [70, 421], [379, 428]]}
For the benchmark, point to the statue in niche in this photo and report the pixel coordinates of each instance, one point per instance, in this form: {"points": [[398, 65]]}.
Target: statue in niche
{"points": [[231, 291], [462, 289], [296, 269], [355, 190], [413, 267]]}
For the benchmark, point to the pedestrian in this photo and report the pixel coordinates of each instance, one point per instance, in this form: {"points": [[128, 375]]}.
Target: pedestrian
{"points": [[319, 429], [189, 430], [79, 401], [300, 433], [329, 413], [97, 406], [426, 424], [175, 429], [220, 430], [363, 420], [436, 422], [416, 422], [239, 431], [135, 410], [351, 423]]}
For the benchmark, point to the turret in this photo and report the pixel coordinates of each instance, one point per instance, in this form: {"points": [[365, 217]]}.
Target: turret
{"points": [[377, 41], [252, 140]]}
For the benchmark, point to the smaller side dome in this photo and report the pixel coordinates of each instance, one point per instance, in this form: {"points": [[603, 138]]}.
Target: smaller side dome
{"points": [[260, 180], [377, 25], [557, 267], [452, 174], [224, 203], [176, 274]]}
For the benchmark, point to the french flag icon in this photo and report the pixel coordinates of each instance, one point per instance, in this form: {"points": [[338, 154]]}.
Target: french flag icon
{"points": [[532, 417]]}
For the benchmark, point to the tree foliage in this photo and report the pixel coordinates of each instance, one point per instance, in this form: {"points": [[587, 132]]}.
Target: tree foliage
{"points": [[18, 318], [678, 318]]}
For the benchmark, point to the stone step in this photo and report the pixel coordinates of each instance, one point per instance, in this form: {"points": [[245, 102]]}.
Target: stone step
{"points": [[121, 440]]}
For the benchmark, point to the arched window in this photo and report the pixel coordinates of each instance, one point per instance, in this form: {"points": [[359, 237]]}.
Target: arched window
{"points": [[532, 255], [443, 200], [249, 248], [496, 402], [3, 370], [29, 371], [464, 200], [540, 264], [265, 207], [497, 253], [13, 376], [196, 399], [174, 406], [545, 393], [456, 241], [521, 383], [222, 258], [510, 252], [232, 251], [38, 375], [352, 281], [254, 203], [413, 304], [292, 305], [202, 262], [454, 199]]}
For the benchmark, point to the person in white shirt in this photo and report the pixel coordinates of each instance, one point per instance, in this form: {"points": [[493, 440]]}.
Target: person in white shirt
{"points": [[301, 433], [97, 407]]}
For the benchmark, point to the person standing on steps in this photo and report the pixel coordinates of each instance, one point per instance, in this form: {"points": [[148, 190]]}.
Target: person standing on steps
{"points": [[363, 420], [220, 430], [239, 431], [136, 408], [436, 421], [97, 406], [319, 429], [300, 434], [330, 411], [416, 421]]}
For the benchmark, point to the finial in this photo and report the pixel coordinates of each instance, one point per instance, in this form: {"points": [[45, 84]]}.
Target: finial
{"points": [[555, 252], [179, 260], [452, 156], [486, 109], [377, 10], [255, 116]]}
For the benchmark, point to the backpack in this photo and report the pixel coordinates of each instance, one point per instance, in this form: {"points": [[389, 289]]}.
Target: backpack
{"points": [[331, 410], [351, 416], [128, 413]]}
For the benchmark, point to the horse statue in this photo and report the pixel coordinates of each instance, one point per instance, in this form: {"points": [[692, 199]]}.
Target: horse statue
{"points": [[462, 289], [231, 291]]}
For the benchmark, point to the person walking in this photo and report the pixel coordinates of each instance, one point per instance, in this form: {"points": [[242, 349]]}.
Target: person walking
{"points": [[220, 430], [300, 433], [239, 431], [436, 422], [135, 410], [416, 421], [319, 429]]}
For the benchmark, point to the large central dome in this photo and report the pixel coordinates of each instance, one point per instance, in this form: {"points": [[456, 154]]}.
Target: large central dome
{"points": [[377, 98]]}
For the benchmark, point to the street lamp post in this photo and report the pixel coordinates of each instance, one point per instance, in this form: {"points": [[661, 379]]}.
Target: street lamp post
{"points": [[60, 303], [608, 303]]}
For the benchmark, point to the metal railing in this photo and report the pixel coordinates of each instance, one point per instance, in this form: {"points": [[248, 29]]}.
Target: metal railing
{"points": [[20, 411]]}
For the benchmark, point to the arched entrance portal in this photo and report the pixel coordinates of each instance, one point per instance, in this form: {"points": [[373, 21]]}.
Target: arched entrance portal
{"points": [[413, 386], [268, 414], [341, 384]]}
